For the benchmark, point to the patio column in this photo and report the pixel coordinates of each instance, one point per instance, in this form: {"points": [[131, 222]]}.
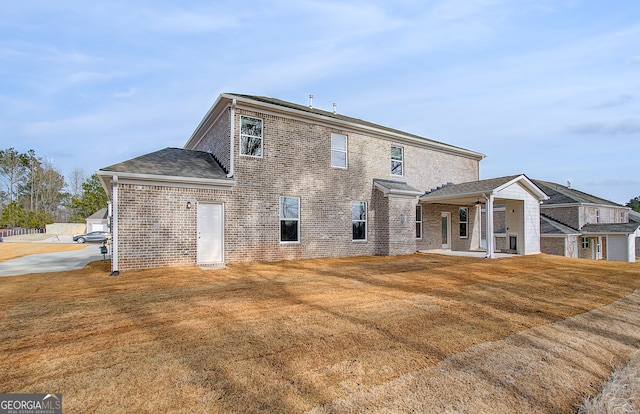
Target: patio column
{"points": [[490, 238]]}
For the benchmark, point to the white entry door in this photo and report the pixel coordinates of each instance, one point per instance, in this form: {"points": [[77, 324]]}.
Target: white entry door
{"points": [[210, 233], [446, 231]]}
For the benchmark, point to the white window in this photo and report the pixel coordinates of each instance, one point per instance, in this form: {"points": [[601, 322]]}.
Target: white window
{"points": [[585, 242], [464, 222], [397, 160], [250, 136], [418, 222], [338, 150], [289, 219], [359, 220], [598, 216], [622, 217]]}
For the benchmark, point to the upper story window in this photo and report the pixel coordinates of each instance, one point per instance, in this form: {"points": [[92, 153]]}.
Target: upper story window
{"points": [[397, 160], [289, 219], [598, 216], [464, 222], [623, 217], [250, 136], [338, 150], [359, 220]]}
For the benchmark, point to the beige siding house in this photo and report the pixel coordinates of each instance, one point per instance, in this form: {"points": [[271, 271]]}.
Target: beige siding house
{"points": [[263, 180]]}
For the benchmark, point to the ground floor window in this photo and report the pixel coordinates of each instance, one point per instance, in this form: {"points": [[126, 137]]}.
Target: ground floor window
{"points": [[585, 242], [289, 219], [359, 220], [418, 222], [464, 222]]}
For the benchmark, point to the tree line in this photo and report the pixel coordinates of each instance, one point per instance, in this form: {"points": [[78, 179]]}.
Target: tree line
{"points": [[34, 193]]}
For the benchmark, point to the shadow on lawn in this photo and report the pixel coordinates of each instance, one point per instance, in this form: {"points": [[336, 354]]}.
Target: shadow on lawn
{"points": [[282, 355]]}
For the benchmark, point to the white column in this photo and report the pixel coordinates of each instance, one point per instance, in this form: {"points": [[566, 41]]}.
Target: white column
{"points": [[114, 229], [490, 236]]}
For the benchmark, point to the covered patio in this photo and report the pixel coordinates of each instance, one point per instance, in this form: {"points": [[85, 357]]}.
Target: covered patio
{"points": [[521, 198]]}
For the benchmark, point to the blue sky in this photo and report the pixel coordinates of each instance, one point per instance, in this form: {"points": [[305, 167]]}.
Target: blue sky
{"points": [[546, 88]]}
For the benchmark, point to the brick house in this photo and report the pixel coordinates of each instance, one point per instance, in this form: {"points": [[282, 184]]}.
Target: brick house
{"points": [[577, 224], [263, 180]]}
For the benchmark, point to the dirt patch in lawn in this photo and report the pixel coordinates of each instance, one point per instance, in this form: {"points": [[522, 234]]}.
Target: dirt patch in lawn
{"points": [[17, 249], [422, 332]]}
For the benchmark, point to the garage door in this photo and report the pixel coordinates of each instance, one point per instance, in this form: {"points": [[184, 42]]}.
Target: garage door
{"points": [[617, 248]]}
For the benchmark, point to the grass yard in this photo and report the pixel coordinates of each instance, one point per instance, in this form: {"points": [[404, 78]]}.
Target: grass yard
{"points": [[421, 332]]}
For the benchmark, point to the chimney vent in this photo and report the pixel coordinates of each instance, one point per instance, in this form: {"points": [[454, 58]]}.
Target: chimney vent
{"points": [[310, 101], [335, 108]]}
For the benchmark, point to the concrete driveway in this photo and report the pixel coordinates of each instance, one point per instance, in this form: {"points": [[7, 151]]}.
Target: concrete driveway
{"points": [[50, 262]]}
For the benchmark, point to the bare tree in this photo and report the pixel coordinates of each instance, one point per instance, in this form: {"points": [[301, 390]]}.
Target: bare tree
{"points": [[77, 177]]}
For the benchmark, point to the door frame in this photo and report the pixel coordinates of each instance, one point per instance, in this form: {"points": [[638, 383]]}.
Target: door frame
{"points": [[222, 241], [446, 215]]}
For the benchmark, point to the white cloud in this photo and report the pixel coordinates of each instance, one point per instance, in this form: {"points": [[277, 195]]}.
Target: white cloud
{"points": [[125, 94], [622, 127]]}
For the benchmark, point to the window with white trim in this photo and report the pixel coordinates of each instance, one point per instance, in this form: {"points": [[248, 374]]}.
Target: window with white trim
{"points": [[585, 242], [598, 215], [251, 136], [418, 222], [397, 160], [464, 222], [338, 150], [289, 219], [359, 220]]}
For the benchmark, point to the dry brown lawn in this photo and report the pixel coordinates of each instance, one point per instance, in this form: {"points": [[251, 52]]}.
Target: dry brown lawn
{"points": [[417, 333], [14, 250]]}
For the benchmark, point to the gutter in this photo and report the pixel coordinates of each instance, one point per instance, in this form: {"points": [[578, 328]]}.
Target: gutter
{"points": [[232, 140], [114, 228]]}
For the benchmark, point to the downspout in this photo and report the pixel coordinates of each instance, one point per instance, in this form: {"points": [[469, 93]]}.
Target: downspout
{"points": [[232, 140], [490, 236], [114, 228]]}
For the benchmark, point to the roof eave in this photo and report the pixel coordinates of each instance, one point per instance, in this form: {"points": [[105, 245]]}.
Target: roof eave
{"points": [[354, 126], [175, 181]]}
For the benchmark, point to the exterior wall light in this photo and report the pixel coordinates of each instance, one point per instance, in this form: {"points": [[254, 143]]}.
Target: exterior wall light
{"points": [[188, 204]]}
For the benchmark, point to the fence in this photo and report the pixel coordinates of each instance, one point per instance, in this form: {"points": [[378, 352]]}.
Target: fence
{"points": [[18, 231]]}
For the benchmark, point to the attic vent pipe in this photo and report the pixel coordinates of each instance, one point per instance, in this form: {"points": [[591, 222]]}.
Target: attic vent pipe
{"points": [[335, 108], [310, 101]]}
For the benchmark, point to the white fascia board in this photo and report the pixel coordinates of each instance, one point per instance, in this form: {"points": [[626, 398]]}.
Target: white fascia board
{"points": [[171, 181], [528, 184], [475, 194], [106, 185], [390, 192], [205, 119], [245, 103]]}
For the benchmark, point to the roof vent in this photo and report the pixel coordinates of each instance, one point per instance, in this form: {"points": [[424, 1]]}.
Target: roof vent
{"points": [[568, 184], [310, 101], [335, 108]]}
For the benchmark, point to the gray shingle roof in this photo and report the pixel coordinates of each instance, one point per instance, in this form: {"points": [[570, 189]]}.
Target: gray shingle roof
{"points": [[174, 162], [551, 227], [337, 116], [560, 194], [396, 187], [99, 215], [472, 187], [608, 228]]}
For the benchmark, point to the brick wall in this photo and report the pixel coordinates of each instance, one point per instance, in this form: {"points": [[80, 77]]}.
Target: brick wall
{"points": [[157, 230], [553, 245]]}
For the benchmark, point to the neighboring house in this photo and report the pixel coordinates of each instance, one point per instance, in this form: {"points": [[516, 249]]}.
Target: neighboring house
{"points": [[577, 224], [634, 217], [98, 221], [263, 180]]}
